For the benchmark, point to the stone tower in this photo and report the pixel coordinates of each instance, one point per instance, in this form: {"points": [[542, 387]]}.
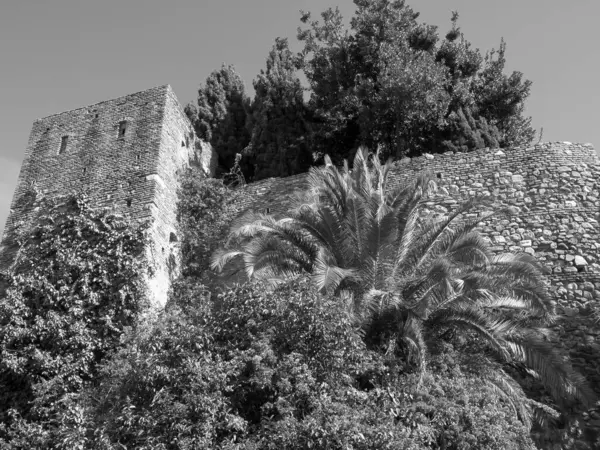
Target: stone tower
{"points": [[126, 154]]}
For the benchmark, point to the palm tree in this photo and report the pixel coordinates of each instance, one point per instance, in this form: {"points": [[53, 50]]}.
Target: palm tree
{"points": [[410, 275]]}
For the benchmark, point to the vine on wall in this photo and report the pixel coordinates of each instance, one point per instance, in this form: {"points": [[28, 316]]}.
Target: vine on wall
{"points": [[76, 284]]}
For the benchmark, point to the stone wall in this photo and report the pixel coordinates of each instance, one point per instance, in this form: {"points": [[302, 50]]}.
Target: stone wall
{"points": [[126, 154], [556, 187]]}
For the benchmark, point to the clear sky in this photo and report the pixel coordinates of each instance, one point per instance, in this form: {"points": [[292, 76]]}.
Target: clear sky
{"points": [[57, 55]]}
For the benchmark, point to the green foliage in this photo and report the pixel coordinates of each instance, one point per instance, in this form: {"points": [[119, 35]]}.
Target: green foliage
{"points": [[220, 117], [389, 83], [464, 133], [408, 101], [165, 389], [283, 369], [279, 123], [75, 286]]}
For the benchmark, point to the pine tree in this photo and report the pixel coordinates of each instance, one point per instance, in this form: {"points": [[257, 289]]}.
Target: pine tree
{"points": [[463, 132], [501, 99], [491, 102], [279, 125]]}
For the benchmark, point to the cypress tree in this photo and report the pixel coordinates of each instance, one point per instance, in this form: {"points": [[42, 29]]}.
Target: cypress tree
{"points": [[220, 117], [279, 144]]}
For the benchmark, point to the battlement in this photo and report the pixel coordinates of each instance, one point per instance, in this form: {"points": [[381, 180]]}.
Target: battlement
{"points": [[126, 154]]}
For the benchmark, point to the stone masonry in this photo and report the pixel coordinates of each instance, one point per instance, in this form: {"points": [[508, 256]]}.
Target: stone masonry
{"points": [[126, 154], [555, 186]]}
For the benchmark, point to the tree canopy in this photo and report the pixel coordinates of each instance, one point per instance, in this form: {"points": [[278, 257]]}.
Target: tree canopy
{"points": [[280, 144], [390, 82]]}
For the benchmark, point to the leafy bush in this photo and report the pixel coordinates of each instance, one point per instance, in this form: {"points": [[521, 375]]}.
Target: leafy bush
{"points": [[74, 287]]}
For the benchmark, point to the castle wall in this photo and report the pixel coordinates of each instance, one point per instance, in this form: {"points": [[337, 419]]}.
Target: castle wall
{"points": [[556, 187], [125, 154]]}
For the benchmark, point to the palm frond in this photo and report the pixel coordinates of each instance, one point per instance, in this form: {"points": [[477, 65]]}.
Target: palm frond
{"points": [[333, 233], [551, 367], [503, 301], [361, 175], [446, 235], [518, 262], [250, 230], [406, 237], [506, 387], [468, 248], [356, 221], [378, 246], [221, 257], [377, 303], [413, 336], [489, 328], [273, 250], [544, 415], [512, 278], [272, 262], [309, 220], [327, 277], [248, 224], [276, 275], [431, 288]]}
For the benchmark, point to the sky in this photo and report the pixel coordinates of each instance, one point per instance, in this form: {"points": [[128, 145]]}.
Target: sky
{"points": [[64, 54]]}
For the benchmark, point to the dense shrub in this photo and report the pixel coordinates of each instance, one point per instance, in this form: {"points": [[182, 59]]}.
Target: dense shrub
{"points": [[283, 369], [205, 208]]}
